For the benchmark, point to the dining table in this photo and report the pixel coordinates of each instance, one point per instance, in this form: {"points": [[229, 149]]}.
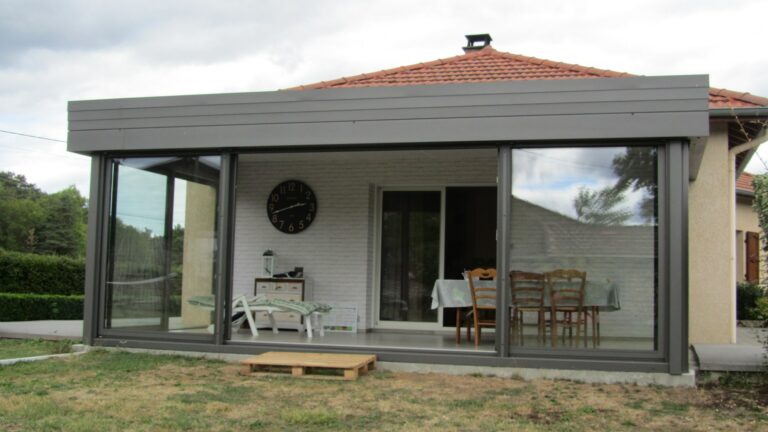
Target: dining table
{"points": [[599, 296]]}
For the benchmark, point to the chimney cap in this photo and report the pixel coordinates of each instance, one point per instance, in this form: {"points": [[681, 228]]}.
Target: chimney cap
{"points": [[474, 40]]}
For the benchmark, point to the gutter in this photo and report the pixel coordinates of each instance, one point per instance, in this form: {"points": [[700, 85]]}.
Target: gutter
{"points": [[739, 112], [745, 193]]}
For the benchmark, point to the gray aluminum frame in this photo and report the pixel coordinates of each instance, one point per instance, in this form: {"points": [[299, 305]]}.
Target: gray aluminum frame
{"points": [[671, 356], [638, 110]]}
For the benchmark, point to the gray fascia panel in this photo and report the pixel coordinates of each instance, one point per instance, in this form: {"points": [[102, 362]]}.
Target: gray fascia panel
{"points": [[615, 108]]}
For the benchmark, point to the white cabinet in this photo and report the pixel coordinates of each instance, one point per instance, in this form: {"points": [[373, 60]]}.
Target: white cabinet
{"points": [[286, 289]]}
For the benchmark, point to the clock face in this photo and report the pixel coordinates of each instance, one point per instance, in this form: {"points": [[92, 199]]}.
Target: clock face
{"points": [[291, 207]]}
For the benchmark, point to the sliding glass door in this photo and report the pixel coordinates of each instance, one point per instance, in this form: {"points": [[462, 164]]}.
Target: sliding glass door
{"points": [[161, 251], [410, 255]]}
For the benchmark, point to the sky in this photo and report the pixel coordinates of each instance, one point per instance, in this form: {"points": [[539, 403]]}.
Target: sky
{"points": [[56, 51]]}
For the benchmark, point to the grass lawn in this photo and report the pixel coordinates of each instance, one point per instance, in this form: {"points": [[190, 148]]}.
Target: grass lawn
{"points": [[16, 348], [104, 391]]}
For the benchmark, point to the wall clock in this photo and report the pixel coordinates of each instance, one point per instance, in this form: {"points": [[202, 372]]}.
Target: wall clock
{"points": [[291, 206]]}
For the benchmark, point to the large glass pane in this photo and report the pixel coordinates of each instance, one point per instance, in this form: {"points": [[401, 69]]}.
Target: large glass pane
{"points": [[161, 262], [410, 254], [584, 228]]}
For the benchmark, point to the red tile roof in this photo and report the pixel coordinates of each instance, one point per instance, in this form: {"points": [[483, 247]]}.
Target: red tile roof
{"points": [[744, 183], [488, 64]]}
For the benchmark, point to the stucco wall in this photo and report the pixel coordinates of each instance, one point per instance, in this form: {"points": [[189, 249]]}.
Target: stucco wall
{"points": [[712, 294]]}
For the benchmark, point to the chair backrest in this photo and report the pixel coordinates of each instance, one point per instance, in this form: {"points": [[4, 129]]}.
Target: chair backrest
{"points": [[527, 289], [566, 287], [483, 296]]}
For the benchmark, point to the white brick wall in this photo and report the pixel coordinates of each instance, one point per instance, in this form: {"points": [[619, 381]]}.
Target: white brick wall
{"points": [[336, 251]]}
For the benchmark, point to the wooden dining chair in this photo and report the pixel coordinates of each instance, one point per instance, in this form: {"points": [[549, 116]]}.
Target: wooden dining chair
{"points": [[483, 299], [566, 297], [527, 297]]}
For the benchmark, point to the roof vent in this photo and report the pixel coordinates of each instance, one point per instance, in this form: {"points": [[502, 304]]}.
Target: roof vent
{"points": [[474, 42]]}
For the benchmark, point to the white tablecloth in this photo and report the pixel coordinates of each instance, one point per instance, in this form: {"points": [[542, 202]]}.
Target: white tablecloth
{"points": [[453, 293]]}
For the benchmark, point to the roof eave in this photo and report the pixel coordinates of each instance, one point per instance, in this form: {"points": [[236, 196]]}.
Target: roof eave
{"points": [[738, 112]]}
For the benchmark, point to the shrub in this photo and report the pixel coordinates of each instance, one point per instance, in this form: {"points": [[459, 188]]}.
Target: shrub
{"points": [[31, 307], [747, 296], [761, 309], [41, 274]]}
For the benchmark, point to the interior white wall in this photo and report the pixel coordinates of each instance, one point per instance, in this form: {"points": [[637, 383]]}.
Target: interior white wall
{"points": [[337, 250]]}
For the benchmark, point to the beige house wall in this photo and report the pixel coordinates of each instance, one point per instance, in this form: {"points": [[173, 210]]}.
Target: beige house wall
{"points": [[199, 229], [711, 229]]}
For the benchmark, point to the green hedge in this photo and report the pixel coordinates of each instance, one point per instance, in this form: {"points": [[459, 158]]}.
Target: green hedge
{"points": [[41, 274], [748, 297], [31, 307]]}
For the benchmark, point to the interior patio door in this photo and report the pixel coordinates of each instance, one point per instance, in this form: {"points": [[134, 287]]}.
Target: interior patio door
{"points": [[410, 255]]}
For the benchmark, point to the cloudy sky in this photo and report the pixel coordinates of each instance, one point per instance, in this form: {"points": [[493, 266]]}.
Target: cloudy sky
{"points": [[55, 51]]}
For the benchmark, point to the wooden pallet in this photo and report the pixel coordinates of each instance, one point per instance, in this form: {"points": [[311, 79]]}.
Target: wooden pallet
{"points": [[308, 365]]}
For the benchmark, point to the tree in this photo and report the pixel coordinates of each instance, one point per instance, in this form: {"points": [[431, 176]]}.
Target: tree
{"points": [[15, 186], [637, 169], [63, 229], [600, 207], [19, 218], [33, 221]]}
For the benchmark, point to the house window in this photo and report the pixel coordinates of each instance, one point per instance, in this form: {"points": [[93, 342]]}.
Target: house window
{"points": [[161, 255], [586, 220]]}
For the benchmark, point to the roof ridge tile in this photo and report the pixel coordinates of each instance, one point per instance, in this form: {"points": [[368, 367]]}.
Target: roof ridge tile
{"points": [[473, 66]]}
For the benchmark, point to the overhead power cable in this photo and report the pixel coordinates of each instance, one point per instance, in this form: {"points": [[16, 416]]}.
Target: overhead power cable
{"points": [[31, 136]]}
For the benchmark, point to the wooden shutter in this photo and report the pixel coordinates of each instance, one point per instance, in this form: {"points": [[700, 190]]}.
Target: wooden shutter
{"points": [[753, 257]]}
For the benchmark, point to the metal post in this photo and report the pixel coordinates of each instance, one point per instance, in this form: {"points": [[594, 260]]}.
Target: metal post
{"points": [[677, 247], [503, 223], [224, 247], [94, 251]]}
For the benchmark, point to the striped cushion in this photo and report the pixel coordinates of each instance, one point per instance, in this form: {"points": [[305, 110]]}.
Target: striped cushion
{"points": [[302, 307]]}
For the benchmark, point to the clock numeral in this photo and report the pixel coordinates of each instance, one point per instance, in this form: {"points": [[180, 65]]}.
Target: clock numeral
{"points": [[271, 207], [309, 218], [301, 224], [274, 219], [291, 186], [291, 228], [282, 222], [275, 197], [311, 207], [308, 194], [282, 189]]}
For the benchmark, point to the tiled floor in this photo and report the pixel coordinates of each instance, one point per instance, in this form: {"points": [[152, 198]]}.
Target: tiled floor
{"points": [[429, 341]]}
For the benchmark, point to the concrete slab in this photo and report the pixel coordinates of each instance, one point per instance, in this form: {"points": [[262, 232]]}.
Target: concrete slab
{"points": [[741, 358], [68, 329], [599, 377], [751, 335]]}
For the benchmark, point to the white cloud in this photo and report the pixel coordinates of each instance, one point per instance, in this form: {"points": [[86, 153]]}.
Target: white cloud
{"points": [[55, 51]]}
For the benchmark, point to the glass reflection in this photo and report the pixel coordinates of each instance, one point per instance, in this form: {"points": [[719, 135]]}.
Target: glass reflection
{"points": [[161, 244], [592, 211]]}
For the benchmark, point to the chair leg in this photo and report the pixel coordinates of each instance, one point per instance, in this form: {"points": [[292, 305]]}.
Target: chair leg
{"points": [[308, 326], [553, 327], [596, 325], [477, 334], [578, 328], [469, 338], [513, 330], [458, 325]]}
